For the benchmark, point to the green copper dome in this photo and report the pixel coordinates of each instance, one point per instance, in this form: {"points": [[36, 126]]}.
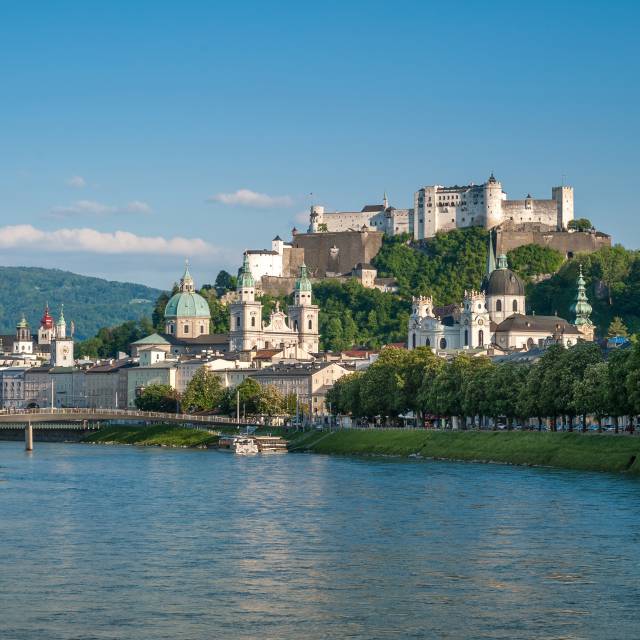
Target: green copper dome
{"points": [[187, 304], [303, 283], [245, 278], [23, 324]]}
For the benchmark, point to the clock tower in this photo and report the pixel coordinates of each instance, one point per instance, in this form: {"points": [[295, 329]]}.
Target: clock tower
{"points": [[61, 345]]}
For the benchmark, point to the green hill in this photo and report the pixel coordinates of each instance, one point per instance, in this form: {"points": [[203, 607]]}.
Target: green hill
{"points": [[90, 302]]}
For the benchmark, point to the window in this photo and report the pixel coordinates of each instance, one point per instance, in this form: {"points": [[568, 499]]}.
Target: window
{"points": [[186, 328], [201, 328], [443, 343], [466, 337], [499, 305], [238, 322], [310, 325], [427, 343], [515, 305], [253, 322], [413, 340]]}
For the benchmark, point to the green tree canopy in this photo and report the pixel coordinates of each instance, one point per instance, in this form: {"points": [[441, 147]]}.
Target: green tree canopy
{"points": [[531, 260], [158, 397], [203, 393]]}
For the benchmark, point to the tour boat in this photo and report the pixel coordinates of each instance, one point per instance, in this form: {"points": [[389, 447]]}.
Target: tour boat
{"points": [[271, 444]]}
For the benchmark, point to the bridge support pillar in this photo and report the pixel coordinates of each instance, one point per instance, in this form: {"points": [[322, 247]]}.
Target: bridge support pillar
{"points": [[28, 437]]}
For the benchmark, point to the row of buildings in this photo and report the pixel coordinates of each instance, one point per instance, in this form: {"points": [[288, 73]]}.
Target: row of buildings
{"points": [[40, 370]]}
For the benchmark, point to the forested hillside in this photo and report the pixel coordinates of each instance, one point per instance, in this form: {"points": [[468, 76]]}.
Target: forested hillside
{"points": [[91, 303]]}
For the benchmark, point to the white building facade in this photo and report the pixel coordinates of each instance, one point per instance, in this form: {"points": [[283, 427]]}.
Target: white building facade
{"points": [[439, 208]]}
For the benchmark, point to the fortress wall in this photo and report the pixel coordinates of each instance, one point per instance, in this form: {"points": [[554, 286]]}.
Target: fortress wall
{"points": [[566, 243], [540, 211], [292, 259], [338, 252]]}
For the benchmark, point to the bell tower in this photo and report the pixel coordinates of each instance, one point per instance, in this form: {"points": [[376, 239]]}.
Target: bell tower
{"points": [[303, 314], [245, 315], [61, 345], [24, 341]]}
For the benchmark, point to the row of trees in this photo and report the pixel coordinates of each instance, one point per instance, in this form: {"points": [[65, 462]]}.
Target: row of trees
{"points": [[205, 393], [562, 385]]}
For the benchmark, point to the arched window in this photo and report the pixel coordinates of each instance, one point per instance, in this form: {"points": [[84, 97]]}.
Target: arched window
{"points": [[481, 338], [515, 305], [499, 305], [201, 328], [295, 325], [310, 325], [238, 322], [413, 340], [530, 343], [253, 321], [443, 343], [427, 343], [466, 337]]}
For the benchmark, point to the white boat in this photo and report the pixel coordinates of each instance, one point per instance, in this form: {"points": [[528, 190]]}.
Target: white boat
{"points": [[245, 446], [271, 444]]}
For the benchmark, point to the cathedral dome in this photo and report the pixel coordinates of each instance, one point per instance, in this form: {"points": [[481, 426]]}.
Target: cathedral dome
{"points": [[187, 304], [503, 281]]}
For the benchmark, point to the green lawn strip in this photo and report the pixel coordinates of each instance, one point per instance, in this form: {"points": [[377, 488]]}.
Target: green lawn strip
{"points": [[159, 434], [566, 450]]}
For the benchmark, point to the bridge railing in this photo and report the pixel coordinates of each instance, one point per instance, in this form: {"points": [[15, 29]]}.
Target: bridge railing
{"points": [[125, 413]]}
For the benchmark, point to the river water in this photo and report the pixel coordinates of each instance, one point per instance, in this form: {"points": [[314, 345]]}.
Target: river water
{"points": [[147, 543]]}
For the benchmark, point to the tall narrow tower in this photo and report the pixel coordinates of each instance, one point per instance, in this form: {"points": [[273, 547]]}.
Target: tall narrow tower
{"points": [[303, 314], [61, 345], [24, 341], [245, 315], [582, 309]]}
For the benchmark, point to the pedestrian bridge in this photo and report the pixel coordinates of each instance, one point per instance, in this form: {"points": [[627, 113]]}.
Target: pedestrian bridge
{"points": [[15, 417]]}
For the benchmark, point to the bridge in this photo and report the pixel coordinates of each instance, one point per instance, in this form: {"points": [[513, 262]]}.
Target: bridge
{"points": [[56, 415], [77, 419]]}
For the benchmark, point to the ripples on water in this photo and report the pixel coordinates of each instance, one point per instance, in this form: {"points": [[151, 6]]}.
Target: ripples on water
{"points": [[139, 544]]}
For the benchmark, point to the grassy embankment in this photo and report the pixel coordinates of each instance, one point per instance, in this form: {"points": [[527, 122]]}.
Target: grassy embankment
{"points": [[564, 450], [166, 435], [156, 435]]}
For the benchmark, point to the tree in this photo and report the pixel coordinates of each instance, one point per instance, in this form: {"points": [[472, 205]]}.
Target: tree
{"points": [[344, 396], [270, 401], [620, 365], [580, 224], [475, 388], [250, 392], [158, 397], [506, 387], [225, 282], [617, 328], [203, 393], [531, 259], [590, 393]]}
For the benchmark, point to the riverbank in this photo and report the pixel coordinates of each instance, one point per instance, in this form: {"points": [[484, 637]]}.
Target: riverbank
{"points": [[584, 452], [159, 435]]}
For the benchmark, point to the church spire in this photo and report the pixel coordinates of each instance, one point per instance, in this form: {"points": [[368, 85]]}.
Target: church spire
{"points": [[385, 201], [581, 306], [186, 282], [245, 277], [491, 256]]}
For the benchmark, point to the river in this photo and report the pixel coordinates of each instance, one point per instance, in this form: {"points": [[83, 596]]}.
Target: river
{"points": [[100, 542]]}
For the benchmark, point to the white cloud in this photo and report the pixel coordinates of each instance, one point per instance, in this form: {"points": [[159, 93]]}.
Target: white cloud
{"points": [[77, 182], [92, 208], [91, 241], [248, 198]]}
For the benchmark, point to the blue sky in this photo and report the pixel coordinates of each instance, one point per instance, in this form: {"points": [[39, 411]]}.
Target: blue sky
{"points": [[126, 125]]}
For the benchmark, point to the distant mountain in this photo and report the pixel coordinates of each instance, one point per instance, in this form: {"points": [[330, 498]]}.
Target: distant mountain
{"points": [[90, 302]]}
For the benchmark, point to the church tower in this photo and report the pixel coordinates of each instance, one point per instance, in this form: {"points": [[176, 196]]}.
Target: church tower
{"points": [[23, 342], [61, 345], [303, 314], [582, 309], [46, 330], [245, 322]]}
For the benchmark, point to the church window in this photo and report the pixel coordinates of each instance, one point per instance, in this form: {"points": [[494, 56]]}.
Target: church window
{"points": [[295, 325], [310, 325], [253, 322], [413, 340], [499, 305], [481, 338], [186, 328], [515, 305], [427, 342], [238, 322], [443, 343], [466, 337]]}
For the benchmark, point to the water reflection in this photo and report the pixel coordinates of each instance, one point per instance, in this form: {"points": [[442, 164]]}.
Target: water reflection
{"points": [[102, 542]]}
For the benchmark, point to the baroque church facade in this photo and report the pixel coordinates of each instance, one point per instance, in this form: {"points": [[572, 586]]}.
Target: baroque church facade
{"points": [[298, 328], [495, 316]]}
